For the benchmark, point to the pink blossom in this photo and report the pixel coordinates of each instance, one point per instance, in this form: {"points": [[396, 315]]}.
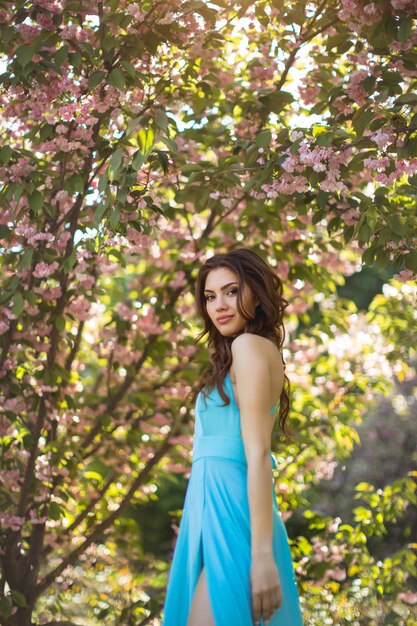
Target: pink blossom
{"points": [[351, 217], [80, 308], [283, 269], [4, 327], [36, 520], [11, 479], [160, 419], [337, 573], [43, 270], [383, 138], [408, 6], [378, 164], [354, 88], [148, 322], [125, 313], [408, 597], [179, 281], [21, 169], [309, 94], [405, 275], [14, 522]]}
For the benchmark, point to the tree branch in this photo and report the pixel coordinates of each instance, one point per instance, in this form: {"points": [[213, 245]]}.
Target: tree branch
{"points": [[103, 526]]}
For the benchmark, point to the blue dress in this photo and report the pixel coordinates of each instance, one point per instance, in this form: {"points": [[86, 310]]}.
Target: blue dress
{"points": [[215, 527]]}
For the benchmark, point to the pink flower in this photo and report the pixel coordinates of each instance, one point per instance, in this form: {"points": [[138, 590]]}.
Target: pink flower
{"points": [[36, 520], [80, 308], [405, 275], [337, 573], [13, 522], [351, 216], [43, 270], [408, 597]]}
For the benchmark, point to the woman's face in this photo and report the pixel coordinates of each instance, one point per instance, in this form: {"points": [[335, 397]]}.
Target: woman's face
{"points": [[220, 292]]}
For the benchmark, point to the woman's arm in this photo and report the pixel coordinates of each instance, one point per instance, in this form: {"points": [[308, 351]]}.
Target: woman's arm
{"points": [[251, 367]]}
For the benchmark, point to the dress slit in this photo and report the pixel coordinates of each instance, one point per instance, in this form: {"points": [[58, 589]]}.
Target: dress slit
{"points": [[202, 563]]}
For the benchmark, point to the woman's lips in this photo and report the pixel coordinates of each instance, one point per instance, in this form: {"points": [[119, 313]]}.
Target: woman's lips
{"points": [[225, 319]]}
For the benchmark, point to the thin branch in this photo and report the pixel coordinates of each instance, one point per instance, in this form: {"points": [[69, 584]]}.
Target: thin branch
{"points": [[81, 517], [99, 530], [71, 356]]}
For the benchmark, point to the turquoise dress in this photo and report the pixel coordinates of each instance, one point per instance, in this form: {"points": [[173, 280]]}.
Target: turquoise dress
{"points": [[215, 526]]}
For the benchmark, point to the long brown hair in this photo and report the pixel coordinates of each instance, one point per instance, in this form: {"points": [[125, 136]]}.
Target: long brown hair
{"points": [[264, 283]]}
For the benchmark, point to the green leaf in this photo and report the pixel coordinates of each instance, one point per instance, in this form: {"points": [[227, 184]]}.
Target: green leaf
{"points": [[277, 100], [35, 201], [115, 164], [5, 154], [263, 138], [411, 147], [252, 154], [19, 304], [363, 486], [61, 55], [95, 78], [170, 143], [132, 125], [117, 78], [75, 59], [70, 261], [55, 511], [145, 140], [410, 260], [60, 323], [5, 608], [18, 598], [77, 183], [407, 98], [114, 218], [24, 54], [161, 119], [7, 34], [325, 139], [99, 212], [163, 160], [361, 119], [138, 160], [26, 259], [398, 224], [362, 514], [391, 28], [405, 29], [334, 224], [364, 232], [129, 67], [92, 475]]}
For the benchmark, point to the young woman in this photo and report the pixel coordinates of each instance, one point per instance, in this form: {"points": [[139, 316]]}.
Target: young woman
{"points": [[232, 563]]}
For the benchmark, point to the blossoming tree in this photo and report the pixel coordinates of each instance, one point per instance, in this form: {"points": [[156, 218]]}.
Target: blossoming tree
{"points": [[137, 139]]}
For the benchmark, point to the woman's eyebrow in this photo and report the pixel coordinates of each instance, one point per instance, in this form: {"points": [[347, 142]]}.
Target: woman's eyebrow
{"points": [[222, 288]]}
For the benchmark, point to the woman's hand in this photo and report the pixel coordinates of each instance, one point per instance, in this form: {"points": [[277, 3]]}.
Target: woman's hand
{"points": [[266, 587]]}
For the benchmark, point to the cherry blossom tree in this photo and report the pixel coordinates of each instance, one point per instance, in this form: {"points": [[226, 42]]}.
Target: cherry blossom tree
{"points": [[139, 138]]}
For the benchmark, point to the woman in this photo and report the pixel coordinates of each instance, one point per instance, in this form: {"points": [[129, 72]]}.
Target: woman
{"points": [[232, 563]]}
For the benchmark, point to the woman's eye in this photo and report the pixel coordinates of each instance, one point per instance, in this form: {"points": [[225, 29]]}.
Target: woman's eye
{"points": [[231, 291]]}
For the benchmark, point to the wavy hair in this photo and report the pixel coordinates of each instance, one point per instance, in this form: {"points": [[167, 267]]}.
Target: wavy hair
{"points": [[264, 284]]}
